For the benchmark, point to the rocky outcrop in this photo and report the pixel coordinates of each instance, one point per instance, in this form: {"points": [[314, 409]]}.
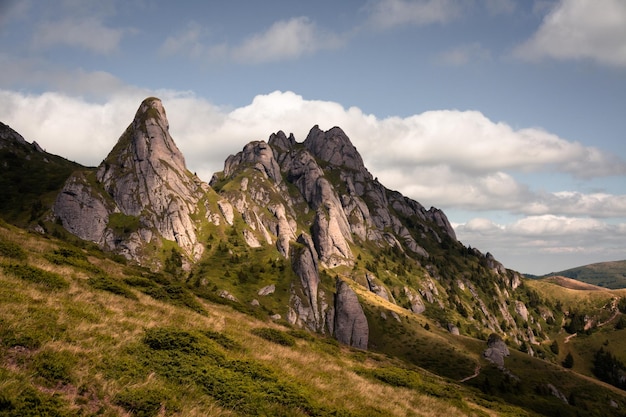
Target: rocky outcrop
{"points": [[304, 263], [314, 201], [496, 350], [9, 137], [144, 179], [350, 323], [377, 289]]}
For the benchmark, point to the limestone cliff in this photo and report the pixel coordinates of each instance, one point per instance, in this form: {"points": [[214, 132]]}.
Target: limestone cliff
{"points": [[311, 206], [142, 192]]}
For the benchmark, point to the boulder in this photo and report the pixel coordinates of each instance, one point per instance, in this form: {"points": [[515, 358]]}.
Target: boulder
{"points": [[496, 350], [351, 326]]}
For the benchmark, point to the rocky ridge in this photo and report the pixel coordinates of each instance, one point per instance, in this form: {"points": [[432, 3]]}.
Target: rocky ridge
{"points": [[141, 192], [316, 206]]}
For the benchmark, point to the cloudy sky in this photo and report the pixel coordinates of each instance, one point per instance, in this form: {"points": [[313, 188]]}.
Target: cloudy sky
{"points": [[510, 115]]}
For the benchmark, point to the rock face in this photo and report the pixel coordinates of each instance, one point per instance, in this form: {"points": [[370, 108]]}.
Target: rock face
{"points": [[350, 324], [9, 137], [313, 204], [141, 192], [496, 350]]}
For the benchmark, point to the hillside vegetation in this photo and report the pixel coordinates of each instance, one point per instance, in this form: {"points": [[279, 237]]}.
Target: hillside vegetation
{"points": [[293, 284], [603, 274], [82, 334]]}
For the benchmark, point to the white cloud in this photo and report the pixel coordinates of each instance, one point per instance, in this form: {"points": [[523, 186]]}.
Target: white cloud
{"points": [[547, 243], [283, 40], [87, 33], [416, 160], [581, 29], [475, 145], [442, 158], [386, 14], [188, 41]]}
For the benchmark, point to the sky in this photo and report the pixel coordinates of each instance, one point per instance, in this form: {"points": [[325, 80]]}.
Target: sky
{"points": [[508, 115]]}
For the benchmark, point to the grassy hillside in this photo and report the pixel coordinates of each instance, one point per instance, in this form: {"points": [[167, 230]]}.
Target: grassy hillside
{"points": [[603, 274], [82, 334], [29, 182]]}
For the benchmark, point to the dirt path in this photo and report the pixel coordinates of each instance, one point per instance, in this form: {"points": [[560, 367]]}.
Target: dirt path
{"points": [[615, 312], [569, 337], [474, 375]]}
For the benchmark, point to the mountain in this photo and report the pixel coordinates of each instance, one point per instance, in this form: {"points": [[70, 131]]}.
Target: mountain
{"points": [[298, 244], [30, 177], [603, 274]]}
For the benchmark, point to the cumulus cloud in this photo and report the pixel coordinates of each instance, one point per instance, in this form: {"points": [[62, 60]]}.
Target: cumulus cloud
{"points": [[580, 29], [87, 33], [552, 242], [285, 40], [386, 14], [443, 158], [422, 158]]}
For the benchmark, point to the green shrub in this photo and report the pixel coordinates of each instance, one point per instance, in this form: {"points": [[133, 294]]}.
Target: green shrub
{"points": [[71, 256], [397, 377], [301, 334], [223, 340], [162, 289], [170, 339], [242, 390], [30, 402], [36, 275], [145, 401], [123, 224], [12, 250], [23, 336], [275, 336], [54, 366], [105, 283]]}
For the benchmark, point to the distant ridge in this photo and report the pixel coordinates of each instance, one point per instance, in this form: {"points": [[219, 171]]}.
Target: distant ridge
{"points": [[573, 284], [610, 275]]}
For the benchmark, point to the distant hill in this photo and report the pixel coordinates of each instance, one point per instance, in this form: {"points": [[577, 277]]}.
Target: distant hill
{"points": [[603, 274]]}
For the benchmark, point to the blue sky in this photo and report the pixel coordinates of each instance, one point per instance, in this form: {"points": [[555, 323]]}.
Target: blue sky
{"points": [[508, 115]]}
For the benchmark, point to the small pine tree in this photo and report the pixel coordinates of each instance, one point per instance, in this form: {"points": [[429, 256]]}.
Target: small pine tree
{"points": [[554, 347], [569, 361]]}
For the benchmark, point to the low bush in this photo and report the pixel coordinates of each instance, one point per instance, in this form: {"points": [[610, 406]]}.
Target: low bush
{"points": [[223, 340], [12, 250], [36, 275], [146, 401], [105, 283], [30, 402], [54, 366], [167, 291], [397, 377], [71, 256], [275, 336]]}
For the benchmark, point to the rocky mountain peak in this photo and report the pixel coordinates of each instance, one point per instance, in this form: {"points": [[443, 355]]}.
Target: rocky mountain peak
{"points": [[334, 147], [145, 179], [9, 136], [146, 141]]}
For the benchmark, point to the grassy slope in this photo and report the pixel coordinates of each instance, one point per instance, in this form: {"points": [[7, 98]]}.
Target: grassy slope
{"points": [[30, 182], [73, 343], [98, 339]]}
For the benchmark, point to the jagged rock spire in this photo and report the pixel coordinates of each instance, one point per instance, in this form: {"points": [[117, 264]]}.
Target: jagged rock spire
{"points": [[145, 178], [334, 147]]}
